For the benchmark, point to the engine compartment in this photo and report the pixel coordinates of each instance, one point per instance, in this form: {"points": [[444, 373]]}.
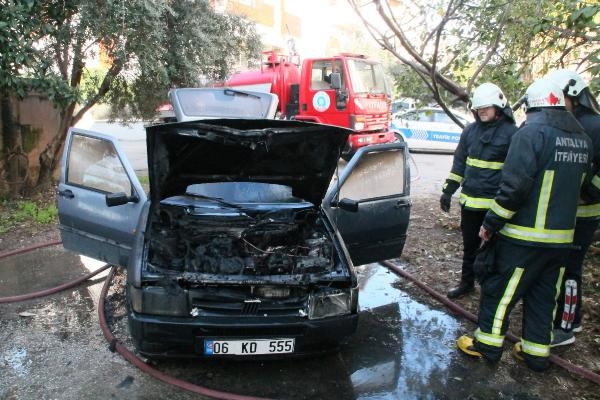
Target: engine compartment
{"points": [[252, 242]]}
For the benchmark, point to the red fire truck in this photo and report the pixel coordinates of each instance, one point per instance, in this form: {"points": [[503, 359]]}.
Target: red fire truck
{"points": [[346, 90]]}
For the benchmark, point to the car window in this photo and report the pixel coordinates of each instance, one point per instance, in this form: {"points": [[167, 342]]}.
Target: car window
{"points": [[321, 74], [410, 116], [370, 180], [440, 116], [93, 163], [199, 103]]}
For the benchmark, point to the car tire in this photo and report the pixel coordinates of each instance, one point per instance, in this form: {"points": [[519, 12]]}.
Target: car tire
{"points": [[399, 137]]}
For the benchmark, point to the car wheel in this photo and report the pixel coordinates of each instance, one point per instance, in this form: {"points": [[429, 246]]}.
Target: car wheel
{"points": [[399, 137]]}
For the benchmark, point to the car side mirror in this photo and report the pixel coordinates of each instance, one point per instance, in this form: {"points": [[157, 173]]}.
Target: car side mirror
{"points": [[120, 198], [336, 80], [346, 204]]}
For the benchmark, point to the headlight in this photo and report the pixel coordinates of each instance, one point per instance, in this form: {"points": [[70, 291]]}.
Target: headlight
{"points": [[329, 304], [158, 301]]}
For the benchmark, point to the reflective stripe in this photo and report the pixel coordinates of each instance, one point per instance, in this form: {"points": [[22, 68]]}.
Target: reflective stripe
{"points": [[501, 211], [489, 338], [507, 296], [557, 289], [475, 202], [559, 282], [596, 181], [474, 162], [588, 210], [535, 349], [455, 177], [542, 208], [538, 235]]}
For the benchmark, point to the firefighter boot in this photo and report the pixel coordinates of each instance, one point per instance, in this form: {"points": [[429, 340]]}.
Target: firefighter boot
{"points": [[537, 364], [467, 346], [462, 289]]}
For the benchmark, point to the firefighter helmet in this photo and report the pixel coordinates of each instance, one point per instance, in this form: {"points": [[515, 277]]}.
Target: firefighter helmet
{"points": [[574, 86], [486, 95], [570, 81], [544, 93]]}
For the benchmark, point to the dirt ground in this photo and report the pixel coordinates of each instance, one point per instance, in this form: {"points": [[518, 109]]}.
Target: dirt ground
{"points": [[433, 255]]}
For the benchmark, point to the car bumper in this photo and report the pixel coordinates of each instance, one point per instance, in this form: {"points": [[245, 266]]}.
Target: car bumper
{"points": [[159, 337], [358, 140]]}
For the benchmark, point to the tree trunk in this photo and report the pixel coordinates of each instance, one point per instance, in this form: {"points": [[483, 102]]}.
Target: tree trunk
{"points": [[50, 157]]}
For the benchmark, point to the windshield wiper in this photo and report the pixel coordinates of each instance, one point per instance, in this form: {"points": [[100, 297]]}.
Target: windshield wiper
{"points": [[217, 200], [232, 92]]}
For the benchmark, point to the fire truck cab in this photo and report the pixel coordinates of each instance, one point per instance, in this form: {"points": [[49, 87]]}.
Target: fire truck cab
{"points": [[345, 90]]}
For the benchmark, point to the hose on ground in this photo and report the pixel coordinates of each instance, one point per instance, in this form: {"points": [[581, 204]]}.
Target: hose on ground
{"points": [[132, 358], [585, 373], [45, 292], [28, 249]]}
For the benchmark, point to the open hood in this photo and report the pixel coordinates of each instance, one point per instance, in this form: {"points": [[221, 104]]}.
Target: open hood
{"points": [[301, 155]]}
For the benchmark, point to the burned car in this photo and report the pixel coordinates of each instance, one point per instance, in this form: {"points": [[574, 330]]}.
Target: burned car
{"points": [[246, 242]]}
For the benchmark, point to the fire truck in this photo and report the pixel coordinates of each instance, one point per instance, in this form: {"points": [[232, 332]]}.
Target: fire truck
{"points": [[346, 90]]}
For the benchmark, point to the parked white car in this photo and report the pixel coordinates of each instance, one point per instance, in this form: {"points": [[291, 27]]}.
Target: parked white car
{"points": [[429, 129], [404, 104]]}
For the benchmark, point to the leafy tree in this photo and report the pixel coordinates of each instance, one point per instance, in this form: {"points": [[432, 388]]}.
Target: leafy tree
{"points": [[453, 45], [147, 47]]}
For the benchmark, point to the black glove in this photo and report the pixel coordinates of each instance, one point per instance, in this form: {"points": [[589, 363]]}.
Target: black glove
{"points": [[445, 202]]}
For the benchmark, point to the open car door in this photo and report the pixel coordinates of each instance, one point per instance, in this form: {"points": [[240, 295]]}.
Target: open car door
{"points": [[370, 202], [99, 197]]}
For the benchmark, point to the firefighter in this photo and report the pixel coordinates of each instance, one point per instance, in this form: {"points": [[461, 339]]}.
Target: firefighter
{"points": [[580, 101], [476, 167], [533, 220]]}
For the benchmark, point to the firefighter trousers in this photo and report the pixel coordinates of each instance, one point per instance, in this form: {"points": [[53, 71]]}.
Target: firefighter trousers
{"points": [[521, 272], [470, 222], [568, 307]]}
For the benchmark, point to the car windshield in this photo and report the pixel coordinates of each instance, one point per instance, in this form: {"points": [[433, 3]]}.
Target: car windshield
{"points": [[223, 103], [367, 77]]}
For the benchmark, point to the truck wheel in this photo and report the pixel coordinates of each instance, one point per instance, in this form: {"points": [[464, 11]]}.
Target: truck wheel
{"points": [[347, 156]]}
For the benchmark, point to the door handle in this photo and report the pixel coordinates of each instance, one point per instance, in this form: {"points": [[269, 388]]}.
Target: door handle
{"points": [[66, 193], [401, 204]]}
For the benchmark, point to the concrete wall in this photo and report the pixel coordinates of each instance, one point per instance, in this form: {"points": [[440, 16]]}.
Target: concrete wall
{"points": [[35, 123]]}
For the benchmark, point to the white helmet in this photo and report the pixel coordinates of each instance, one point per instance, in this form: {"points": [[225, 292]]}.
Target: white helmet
{"points": [[486, 95], [544, 93], [569, 81]]}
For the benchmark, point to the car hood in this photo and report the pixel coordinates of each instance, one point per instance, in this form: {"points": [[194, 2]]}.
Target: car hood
{"points": [[301, 155]]}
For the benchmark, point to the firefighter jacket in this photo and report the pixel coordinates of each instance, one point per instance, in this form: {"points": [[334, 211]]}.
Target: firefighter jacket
{"points": [[478, 162], [547, 162], [591, 198]]}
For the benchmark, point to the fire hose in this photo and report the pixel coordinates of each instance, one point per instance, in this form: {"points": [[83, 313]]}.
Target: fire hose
{"points": [[587, 374]]}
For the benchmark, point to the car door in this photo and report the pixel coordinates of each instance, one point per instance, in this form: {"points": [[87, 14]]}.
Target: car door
{"points": [[94, 170], [370, 202]]}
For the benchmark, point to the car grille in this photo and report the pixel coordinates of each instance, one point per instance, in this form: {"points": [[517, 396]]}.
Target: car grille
{"points": [[250, 308]]}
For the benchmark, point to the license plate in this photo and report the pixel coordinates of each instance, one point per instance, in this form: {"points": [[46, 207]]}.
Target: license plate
{"points": [[248, 347]]}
